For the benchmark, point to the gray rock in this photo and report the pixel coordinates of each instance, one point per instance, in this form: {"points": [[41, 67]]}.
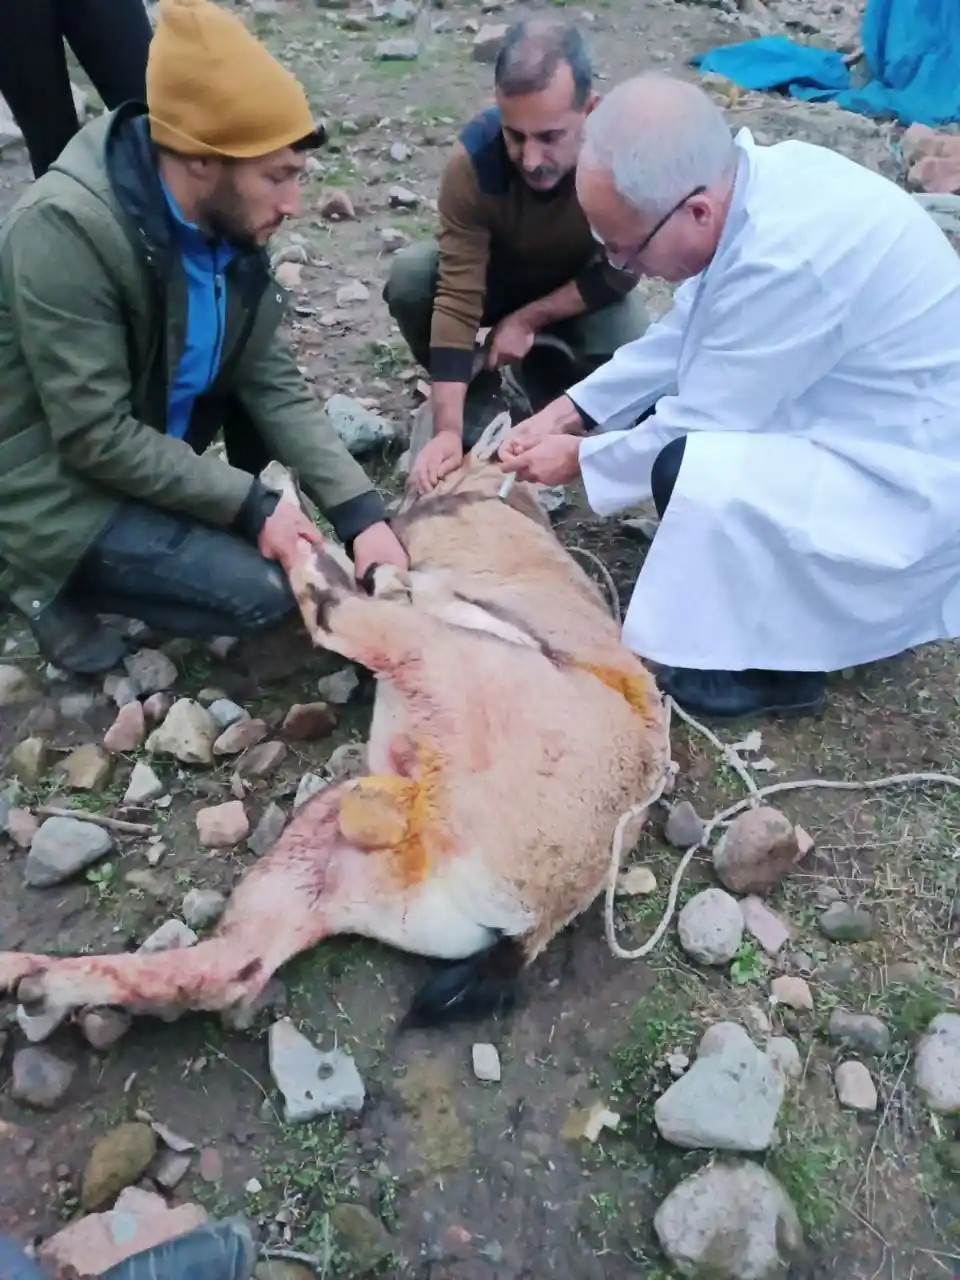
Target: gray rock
{"points": [[711, 927], [785, 1056], [15, 685], [62, 848], [937, 1067], [684, 826], [144, 785], [728, 1100], [37, 1027], [9, 799], [313, 1083], [269, 829], [487, 42], [861, 1031], [733, 1222], [339, 687], [842, 922], [202, 907], [188, 734], [40, 1079], [486, 1062], [150, 670], [402, 198], [102, 1028], [399, 49], [225, 713], [349, 760], [76, 706], [855, 1088], [362, 1236], [360, 429], [764, 925], [308, 787], [173, 935]]}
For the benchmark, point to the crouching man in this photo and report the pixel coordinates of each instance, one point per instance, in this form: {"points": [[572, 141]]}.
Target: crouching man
{"points": [[514, 250], [804, 450], [138, 318]]}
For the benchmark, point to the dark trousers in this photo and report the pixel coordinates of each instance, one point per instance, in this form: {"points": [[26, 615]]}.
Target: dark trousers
{"points": [[180, 575], [665, 473], [110, 39]]}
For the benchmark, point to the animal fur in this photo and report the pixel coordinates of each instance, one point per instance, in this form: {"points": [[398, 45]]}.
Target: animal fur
{"points": [[511, 729]]}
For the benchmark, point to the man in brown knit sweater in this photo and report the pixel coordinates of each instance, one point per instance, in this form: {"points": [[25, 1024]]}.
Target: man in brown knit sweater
{"points": [[514, 250]]}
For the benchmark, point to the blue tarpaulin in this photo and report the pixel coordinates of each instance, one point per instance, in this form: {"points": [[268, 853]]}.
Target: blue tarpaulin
{"points": [[912, 52]]}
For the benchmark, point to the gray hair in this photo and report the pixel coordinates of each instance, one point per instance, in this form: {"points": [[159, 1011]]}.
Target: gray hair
{"points": [[531, 54], [659, 138]]}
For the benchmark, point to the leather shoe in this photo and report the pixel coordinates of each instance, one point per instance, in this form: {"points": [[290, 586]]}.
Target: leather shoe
{"points": [[730, 695], [75, 641]]}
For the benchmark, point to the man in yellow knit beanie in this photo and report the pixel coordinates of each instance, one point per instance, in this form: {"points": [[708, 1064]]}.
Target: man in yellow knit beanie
{"points": [[138, 319]]}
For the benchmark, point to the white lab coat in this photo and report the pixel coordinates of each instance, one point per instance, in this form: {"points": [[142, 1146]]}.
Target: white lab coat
{"points": [[814, 368]]}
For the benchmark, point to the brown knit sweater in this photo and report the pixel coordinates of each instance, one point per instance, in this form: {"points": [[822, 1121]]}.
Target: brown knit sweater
{"points": [[503, 245]]}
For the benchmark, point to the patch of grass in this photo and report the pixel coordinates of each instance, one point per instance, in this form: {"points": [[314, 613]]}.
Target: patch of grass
{"points": [[908, 1009], [817, 1154], [748, 965], [659, 1024]]}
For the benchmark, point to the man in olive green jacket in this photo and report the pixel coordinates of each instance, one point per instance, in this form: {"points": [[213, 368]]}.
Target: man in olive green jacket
{"points": [[138, 318]]}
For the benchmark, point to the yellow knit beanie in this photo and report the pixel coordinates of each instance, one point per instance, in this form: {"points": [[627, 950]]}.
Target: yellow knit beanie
{"points": [[214, 90]]}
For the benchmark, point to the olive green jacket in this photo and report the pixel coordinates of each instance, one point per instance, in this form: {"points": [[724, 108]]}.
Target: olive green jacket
{"points": [[92, 325]]}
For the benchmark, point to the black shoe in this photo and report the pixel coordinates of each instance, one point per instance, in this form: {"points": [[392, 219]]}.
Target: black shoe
{"points": [[730, 695], [75, 641]]}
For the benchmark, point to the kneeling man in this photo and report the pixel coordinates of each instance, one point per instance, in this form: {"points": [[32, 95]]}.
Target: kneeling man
{"points": [[804, 451]]}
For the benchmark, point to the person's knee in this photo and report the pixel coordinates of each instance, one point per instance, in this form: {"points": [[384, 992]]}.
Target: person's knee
{"points": [[665, 472], [412, 281]]}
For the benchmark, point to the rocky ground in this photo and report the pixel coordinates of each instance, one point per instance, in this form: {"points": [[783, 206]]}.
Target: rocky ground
{"points": [[774, 1085]]}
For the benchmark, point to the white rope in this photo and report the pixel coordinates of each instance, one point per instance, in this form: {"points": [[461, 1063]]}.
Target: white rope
{"points": [[607, 576], [754, 797]]}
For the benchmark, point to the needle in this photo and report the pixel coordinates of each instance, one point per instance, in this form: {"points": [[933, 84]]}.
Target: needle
{"points": [[507, 486]]}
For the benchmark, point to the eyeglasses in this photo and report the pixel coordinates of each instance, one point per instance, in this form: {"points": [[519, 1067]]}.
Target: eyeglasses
{"points": [[621, 261]]}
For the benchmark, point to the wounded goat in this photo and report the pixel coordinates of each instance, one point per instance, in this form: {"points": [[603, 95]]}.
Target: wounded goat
{"points": [[511, 730]]}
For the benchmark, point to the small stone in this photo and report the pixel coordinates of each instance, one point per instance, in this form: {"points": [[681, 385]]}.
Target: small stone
{"points": [[730, 1098], [362, 1236], [393, 239], [684, 826], [40, 1079], [120, 689], [269, 829], [729, 1221], [287, 274], [15, 685], [28, 760], [21, 826], [156, 853], [187, 734], [402, 198], [309, 722], [62, 848], [222, 825], [157, 707], [711, 927], [88, 768], [312, 1083], [937, 1067], [173, 935], [397, 49], [144, 786], [225, 713], [37, 1027], [151, 671], [10, 796], [677, 1064], [359, 428], [861, 1031], [211, 1165], [241, 735], [351, 292], [400, 152], [202, 907], [117, 1160], [756, 851], [347, 761], [487, 41], [222, 646], [171, 1169], [308, 787], [795, 993], [339, 687], [785, 1056], [844, 923], [261, 760], [637, 881], [764, 925], [855, 1088], [209, 694], [337, 205], [148, 882], [76, 706], [128, 730], [486, 1062], [827, 894], [103, 1027]]}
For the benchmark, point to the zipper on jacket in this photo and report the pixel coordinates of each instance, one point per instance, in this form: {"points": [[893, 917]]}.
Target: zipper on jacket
{"points": [[218, 305]]}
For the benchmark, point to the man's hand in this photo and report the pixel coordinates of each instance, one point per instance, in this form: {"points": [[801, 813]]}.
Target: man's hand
{"points": [[437, 458], [510, 341], [378, 544], [282, 532], [554, 460]]}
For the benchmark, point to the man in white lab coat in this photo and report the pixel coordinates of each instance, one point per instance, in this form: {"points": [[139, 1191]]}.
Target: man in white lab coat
{"points": [[804, 446]]}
